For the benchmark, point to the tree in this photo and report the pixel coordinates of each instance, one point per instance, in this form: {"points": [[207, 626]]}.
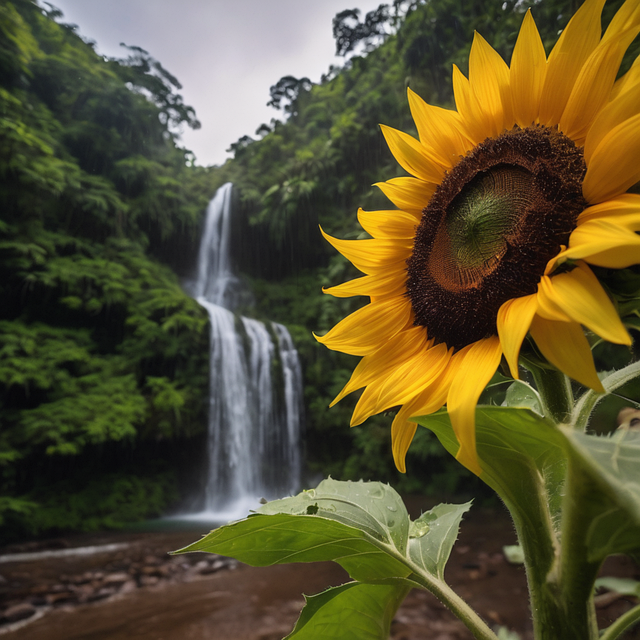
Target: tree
{"points": [[285, 93], [348, 31]]}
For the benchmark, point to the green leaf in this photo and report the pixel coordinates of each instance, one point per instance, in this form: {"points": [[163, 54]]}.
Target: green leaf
{"points": [[520, 394], [525, 458], [513, 553], [521, 453], [623, 586], [433, 535], [368, 538], [612, 466], [372, 507], [353, 610], [262, 540], [365, 528]]}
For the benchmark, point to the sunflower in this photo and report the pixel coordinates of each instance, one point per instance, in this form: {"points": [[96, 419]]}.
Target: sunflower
{"points": [[512, 196]]}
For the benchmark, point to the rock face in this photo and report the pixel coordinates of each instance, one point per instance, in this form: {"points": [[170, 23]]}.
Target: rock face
{"points": [[27, 590]]}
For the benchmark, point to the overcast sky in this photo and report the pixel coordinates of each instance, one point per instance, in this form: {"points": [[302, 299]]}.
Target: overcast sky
{"points": [[226, 53]]}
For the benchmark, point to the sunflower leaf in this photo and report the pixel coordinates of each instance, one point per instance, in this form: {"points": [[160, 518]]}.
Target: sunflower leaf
{"points": [[372, 507], [520, 394], [525, 458], [623, 586], [441, 523], [336, 612], [363, 526], [611, 466], [521, 454]]}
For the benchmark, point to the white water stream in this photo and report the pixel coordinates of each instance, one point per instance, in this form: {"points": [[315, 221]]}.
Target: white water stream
{"points": [[255, 387]]}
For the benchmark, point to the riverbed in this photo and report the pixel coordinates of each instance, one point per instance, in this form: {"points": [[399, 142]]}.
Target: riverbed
{"points": [[134, 590]]}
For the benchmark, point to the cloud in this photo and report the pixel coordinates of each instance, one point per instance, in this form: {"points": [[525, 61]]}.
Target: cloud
{"points": [[225, 54]]}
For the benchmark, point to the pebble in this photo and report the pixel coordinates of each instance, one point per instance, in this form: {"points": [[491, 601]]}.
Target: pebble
{"points": [[20, 600]]}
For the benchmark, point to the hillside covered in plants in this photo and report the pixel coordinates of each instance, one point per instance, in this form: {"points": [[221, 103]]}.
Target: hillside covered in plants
{"points": [[103, 371]]}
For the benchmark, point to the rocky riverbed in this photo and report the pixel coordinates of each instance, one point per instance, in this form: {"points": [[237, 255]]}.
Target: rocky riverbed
{"points": [[121, 586]]}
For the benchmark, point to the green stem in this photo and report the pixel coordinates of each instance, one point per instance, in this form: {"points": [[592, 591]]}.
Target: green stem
{"points": [[555, 392], [588, 401], [456, 605], [559, 575], [623, 623]]}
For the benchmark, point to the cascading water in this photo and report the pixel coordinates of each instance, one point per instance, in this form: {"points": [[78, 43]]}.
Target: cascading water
{"points": [[254, 406]]}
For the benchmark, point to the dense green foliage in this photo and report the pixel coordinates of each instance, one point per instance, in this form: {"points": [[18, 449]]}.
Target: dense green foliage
{"points": [[102, 355], [100, 349]]}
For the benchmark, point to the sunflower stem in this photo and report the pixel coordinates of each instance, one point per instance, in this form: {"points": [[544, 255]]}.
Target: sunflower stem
{"points": [[562, 592], [555, 392], [457, 606]]}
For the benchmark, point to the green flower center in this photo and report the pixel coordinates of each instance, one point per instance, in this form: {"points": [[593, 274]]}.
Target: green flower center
{"points": [[489, 230], [478, 224]]}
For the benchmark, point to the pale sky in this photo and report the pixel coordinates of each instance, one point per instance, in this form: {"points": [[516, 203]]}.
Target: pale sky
{"points": [[225, 53]]}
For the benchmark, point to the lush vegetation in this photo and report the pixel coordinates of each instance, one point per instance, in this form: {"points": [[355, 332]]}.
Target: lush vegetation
{"points": [[101, 352], [102, 355]]}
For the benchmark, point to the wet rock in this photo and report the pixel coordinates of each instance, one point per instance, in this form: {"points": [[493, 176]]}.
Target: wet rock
{"points": [[18, 612], [61, 597], [128, 586], [149, 581], [158, 571], [101, 594], [40, 589], [116, 579]]}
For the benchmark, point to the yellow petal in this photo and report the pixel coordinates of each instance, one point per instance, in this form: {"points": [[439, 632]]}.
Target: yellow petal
{"points": [[575, 44], [627, 16], [582, 297], [440, 129], [514, 320], [615, 164], [609, 242], [403, 384], [593, 85], [613, 114], [528, 70], [473, 375], [489, 84], [402, 433], [385, 359], [384, 284], [430, 400], [475, 128], [373, 256], [548, 308], [435, 395], [388, 224], [624, 205], [628, 80], [564, 345], [409, 194], [413, 157], [365, 329]]}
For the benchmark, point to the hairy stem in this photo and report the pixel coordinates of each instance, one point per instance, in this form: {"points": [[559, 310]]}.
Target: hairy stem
{"points": [[456, 605]]}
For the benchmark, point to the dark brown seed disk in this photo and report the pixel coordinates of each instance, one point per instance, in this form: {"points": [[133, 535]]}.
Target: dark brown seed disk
{"points": [[489, 230]]}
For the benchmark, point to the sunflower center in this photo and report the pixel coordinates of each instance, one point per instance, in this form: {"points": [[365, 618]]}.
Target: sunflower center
{"points": [[489, 230]]}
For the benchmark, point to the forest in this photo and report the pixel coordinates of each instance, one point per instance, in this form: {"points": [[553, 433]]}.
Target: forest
{"points": [[103, 354]]}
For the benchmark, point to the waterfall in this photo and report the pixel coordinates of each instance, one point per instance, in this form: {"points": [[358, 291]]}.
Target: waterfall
{"points": [[254, 406]]}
